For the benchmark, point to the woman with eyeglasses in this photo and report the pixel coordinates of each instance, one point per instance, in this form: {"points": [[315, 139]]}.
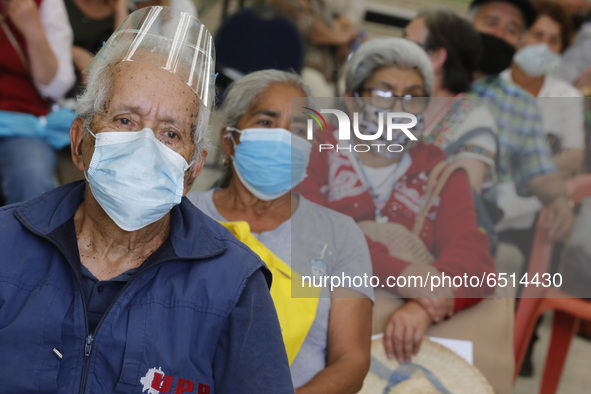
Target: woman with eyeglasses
{"points": [[266, 155], [383, 186]]}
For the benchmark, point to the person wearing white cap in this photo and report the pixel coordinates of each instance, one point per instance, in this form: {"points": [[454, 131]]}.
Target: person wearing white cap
{"points": [[118, 283]]}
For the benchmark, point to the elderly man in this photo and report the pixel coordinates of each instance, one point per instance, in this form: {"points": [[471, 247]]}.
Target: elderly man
{"points": [[119, 284]]}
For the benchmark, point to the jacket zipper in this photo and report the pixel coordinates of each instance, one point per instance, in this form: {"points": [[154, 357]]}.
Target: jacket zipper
{"points": [[88, 346], [89, 340], [86, 361]]}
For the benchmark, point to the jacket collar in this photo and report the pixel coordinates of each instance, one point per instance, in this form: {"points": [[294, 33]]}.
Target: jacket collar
{"points": [[192, 235]]}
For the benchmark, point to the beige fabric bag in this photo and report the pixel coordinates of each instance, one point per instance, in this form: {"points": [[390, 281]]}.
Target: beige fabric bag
{"points": [[489, 324]]}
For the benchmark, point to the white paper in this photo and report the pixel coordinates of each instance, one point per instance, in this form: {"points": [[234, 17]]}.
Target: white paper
{"points": [[377, 336], [460, 347]]}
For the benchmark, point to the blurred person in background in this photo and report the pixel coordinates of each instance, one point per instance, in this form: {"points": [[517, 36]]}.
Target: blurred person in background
{"points": [[456, 121], [578, 11], [539, 53], [182, 5], [526, 166], [328, 37], [35, 69], [561, 109], [92, 22], [267, 155], [379, 188], [353, 10], [453, 46]]}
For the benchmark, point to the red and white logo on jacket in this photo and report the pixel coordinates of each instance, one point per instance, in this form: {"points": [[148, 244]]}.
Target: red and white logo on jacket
{"points": [[156, 381]]}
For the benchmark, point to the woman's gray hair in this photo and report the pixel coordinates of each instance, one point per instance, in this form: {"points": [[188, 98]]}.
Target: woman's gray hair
{"points": [[98, 88], [387, 51], [243, 94]]}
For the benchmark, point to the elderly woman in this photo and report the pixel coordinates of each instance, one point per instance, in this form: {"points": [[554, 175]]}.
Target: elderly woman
{"points": [[267, 161], [382, 187]]}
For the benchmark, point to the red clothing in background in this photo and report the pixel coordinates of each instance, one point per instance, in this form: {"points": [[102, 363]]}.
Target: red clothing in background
{"points": [[17, 91], [450, 232]]}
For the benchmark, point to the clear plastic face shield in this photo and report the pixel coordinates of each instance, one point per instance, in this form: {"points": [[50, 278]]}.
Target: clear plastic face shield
{"points": [[167, 38]]}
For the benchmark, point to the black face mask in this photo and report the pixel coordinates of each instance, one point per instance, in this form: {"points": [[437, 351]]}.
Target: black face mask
{"points": [[497, 54]]}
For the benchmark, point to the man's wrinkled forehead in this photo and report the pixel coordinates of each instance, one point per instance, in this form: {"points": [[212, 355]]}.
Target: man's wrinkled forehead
{"points": [[144, 88], [140, 77]]}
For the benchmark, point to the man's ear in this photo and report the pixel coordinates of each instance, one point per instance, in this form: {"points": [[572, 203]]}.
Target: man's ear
{"points": [[194, 171], [76, 141], [438, 58]]}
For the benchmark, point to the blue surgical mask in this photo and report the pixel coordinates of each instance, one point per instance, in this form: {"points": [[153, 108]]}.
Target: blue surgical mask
{"points": [[537, 60], [270, 162], [135, 178]]}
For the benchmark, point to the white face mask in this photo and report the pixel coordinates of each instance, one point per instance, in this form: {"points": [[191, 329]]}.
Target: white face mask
{"points": [[536, 60], [135, 178]]}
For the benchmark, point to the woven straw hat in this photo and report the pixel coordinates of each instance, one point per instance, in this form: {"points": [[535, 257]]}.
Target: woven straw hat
{"points": [[434, 370]]}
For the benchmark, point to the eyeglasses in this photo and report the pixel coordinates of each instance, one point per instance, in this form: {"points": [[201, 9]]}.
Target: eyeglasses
{"points": [[386, 99]]}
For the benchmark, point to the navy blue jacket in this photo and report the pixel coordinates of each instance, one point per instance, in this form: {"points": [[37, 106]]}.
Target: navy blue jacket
{"points": [[197, 317]]}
